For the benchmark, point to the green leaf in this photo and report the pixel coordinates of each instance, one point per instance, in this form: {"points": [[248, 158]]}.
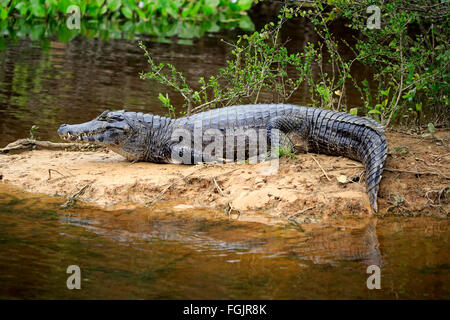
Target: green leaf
{"points": [[385, 92], [38, 9], [374, 111], [3, 14], [37, 31], [212, 3], [113, 5], [23, 8], [141, 14], [431, 128], [127, 12], [354, 111], [65, 34], [246, 24], [245, 4]]}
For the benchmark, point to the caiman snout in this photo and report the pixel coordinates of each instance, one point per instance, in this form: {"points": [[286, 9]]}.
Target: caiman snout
{"points": [[61, 130], [92, 131], [65, 134]]}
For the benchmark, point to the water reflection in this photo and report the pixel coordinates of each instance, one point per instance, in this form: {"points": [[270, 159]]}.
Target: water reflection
{"points": [[73, 82], [160, 29], [160, 253], [48, 82]]}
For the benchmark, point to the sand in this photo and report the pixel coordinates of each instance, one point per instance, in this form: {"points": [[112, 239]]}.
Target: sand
{"points": [[307, 188]]}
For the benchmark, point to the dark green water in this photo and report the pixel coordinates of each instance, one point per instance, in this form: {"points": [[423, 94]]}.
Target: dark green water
{"points": [[164, 254]]}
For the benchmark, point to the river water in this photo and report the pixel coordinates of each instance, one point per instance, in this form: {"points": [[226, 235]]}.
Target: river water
{"points": [[160, 253]]}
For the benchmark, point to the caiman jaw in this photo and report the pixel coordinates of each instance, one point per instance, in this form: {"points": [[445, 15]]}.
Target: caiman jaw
{"points": [[83, 136]]}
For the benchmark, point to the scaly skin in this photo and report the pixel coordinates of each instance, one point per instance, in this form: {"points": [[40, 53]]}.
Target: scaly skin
{"points": [[146, 137]]}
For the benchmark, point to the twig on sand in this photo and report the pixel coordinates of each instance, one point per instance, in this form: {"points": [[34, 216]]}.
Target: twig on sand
{"points": [[437, 173], [440, 156], [433, 164], [295, 215], [50, 173], [73, 197], [334, 168], [439, 193], [27, 144], [159, 195], [230, 209], [418, 172], [22, 144], [321, 168], [226, 173], [217, 186]]}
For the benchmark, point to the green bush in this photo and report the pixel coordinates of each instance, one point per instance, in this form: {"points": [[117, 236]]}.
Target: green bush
{"points": [[127, 9], [408, 58], [106, 19], [260, 64]]}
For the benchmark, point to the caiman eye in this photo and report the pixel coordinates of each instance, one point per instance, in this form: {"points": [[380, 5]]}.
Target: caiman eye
{"points": [[104, 116]]}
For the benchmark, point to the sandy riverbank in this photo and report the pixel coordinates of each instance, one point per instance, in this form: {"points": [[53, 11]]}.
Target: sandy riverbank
{"points": [[309, 188]]}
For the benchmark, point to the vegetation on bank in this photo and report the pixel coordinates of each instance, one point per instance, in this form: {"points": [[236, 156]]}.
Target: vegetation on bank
{"points": [[127, 9], [407, 59], [106, 19]]}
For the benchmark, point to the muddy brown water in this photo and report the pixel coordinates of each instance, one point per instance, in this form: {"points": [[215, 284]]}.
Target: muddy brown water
{"points": [[164, 254], [160, 253]]}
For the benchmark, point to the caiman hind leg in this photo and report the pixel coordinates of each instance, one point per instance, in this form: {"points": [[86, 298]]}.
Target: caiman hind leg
{"points": [[288, 133]]}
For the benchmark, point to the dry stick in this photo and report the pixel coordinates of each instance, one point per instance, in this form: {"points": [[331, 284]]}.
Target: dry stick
{"points": [[321, 168], [438, 157], [50, 173], [432, 164], [229, 208], [218, 187], [171, 185], [391, 170], [228, 172], [300, 212], [27, 143], [72, 198], [418, 172], [334, 168], [439, 193]]}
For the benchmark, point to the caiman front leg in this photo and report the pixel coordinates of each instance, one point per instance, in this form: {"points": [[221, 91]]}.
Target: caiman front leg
{"points": [[188, 155]]}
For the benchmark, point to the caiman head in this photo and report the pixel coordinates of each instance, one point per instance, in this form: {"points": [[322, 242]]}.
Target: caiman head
{"points": [[117, 130]]}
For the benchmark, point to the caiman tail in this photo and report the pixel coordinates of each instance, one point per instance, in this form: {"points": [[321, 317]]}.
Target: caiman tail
{"points": [[362, 139], [373, 155]]}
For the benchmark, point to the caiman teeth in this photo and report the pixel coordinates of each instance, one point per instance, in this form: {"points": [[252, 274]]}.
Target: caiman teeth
{"points": [[81, 136]]}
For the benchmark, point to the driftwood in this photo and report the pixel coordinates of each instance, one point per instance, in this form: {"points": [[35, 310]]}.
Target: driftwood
{"points": [[27, 144]]}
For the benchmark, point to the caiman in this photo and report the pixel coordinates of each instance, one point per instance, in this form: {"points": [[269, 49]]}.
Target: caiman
{"points": [[152, 138]]}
